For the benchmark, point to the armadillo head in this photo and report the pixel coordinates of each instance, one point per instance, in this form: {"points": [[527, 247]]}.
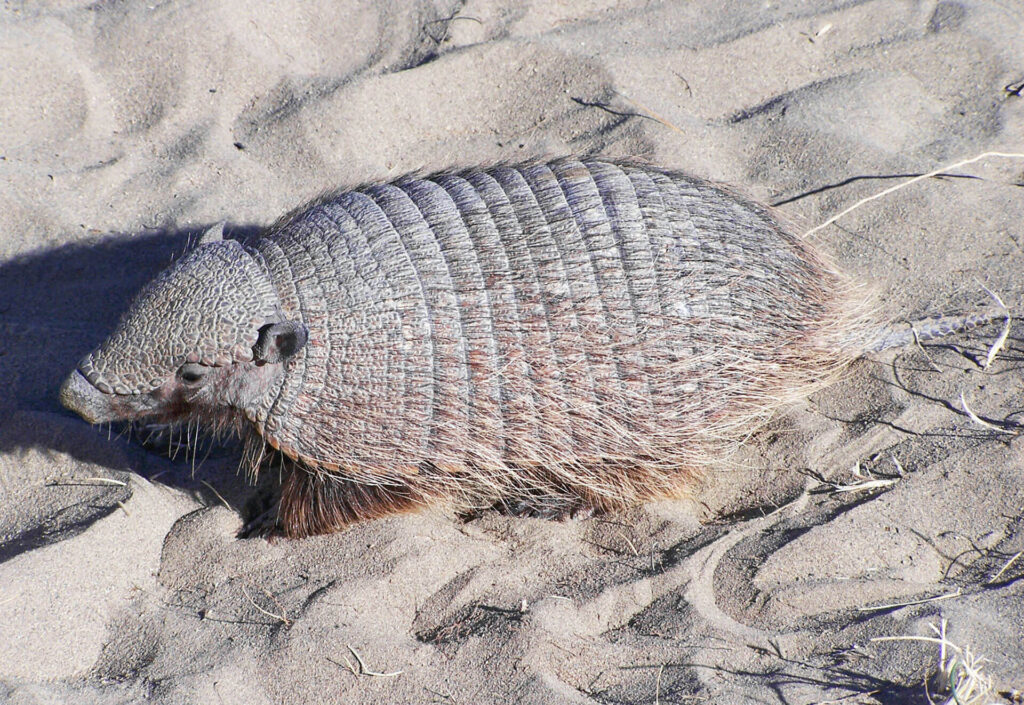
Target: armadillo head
{"points": [[205, 340]]}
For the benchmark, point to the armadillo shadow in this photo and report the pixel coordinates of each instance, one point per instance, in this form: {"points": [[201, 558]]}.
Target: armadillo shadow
{"points": [[55, 306]]}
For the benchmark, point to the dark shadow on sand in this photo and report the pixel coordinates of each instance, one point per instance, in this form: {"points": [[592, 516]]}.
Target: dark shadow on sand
{"points": [[55, 306]]}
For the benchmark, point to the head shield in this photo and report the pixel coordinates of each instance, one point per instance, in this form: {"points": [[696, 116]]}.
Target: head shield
{"points": [[207, 307]]}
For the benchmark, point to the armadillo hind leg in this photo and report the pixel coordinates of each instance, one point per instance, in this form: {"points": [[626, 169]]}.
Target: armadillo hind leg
{"points": [[543, 493], [318, 503]]}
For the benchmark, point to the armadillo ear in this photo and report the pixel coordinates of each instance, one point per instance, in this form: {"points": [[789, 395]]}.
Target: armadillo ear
{"points": [[215, 233], [279, 341]]}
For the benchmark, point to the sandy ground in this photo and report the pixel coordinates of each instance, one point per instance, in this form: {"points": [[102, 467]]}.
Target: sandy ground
{"points": [[127, 127]]}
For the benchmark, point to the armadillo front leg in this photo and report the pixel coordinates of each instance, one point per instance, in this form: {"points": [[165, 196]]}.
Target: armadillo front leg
{"points": [[319, 503]]}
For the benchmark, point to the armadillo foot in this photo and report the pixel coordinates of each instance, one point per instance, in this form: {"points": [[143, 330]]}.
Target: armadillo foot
{"points": [[557, 508], [260, 511], [263, 525]]}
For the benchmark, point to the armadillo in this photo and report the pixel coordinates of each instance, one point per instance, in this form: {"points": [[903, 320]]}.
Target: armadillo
{"points": [[549, 339]]}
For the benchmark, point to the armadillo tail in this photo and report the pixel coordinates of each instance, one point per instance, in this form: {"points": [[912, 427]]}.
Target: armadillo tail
{"points": [[901, 335]]}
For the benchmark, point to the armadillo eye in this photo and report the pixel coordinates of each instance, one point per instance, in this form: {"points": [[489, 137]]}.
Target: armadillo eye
{"points": [[191, 372]]}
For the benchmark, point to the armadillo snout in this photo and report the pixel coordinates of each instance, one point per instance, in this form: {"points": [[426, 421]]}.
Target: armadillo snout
{"points": [[78, 394]]}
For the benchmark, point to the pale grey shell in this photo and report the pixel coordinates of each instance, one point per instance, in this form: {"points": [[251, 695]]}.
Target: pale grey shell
{"points": [[563, 314]]}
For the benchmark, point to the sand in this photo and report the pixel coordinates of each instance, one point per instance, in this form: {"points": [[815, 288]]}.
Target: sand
{"points": [[126, 128]]}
